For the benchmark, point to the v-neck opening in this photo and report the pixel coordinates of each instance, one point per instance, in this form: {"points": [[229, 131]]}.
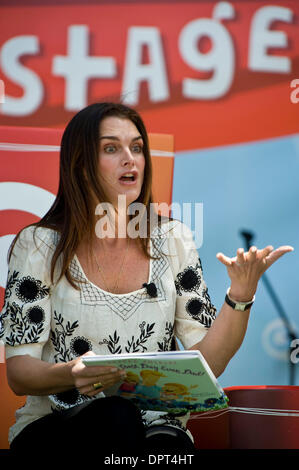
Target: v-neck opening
{"points": [[112, 293]]}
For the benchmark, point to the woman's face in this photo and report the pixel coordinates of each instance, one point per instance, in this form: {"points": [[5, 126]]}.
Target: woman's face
{"points": [[121, 159]]}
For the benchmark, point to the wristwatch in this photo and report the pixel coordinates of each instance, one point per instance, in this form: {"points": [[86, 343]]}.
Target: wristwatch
{"points": [[238, 305]]}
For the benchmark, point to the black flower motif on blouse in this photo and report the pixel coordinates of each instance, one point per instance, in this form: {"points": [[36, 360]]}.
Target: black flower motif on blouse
{"points": [[194, 307], [35, 315], [210, 308], [201, 309], [29, 289], [135, 344], [12, 278], [139, 344], [25, 326], [166, 344], [69, 398], [112, 343], [80, 345], [189, 280], [59, 337]]}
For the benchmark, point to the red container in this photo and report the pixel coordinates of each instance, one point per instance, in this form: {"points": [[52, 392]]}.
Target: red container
{"points": [[241, 429], [210, 430], [252, 431]]}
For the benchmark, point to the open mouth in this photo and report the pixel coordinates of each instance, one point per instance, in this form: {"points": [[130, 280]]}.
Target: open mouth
{"points": [[128, 177]]}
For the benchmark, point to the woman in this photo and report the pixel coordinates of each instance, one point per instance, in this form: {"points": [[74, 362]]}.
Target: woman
{"points": [[73, 290]]}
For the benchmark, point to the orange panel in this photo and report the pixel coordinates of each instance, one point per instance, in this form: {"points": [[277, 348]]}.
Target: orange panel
{"points": [[162, 150]]}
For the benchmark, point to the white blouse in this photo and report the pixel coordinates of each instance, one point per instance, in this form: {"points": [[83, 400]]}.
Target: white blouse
{"points": [[56, 323]]}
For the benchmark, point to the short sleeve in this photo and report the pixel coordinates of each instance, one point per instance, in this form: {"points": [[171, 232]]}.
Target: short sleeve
{"points": [[195, 312], [25, 317]]}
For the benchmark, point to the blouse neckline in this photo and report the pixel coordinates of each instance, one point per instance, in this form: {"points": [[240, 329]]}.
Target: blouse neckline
{"points": [[111, 293]]}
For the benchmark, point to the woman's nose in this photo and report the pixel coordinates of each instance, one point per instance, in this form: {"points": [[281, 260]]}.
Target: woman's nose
{"points": [[128, 157]]}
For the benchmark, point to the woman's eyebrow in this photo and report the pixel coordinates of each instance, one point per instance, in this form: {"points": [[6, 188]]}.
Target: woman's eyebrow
{"points": [[113, 137]]}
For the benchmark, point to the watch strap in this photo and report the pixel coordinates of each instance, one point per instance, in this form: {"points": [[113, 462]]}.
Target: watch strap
{"points": [[238, 305]]}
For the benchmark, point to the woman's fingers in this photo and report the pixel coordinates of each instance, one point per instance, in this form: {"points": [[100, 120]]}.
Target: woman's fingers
{"points": [[86, 376], [102, 382], [238, 260], [263, 258], [93, 371], [251, 255], [240, 257], [224, 259], [274, 255], [245, 269]]}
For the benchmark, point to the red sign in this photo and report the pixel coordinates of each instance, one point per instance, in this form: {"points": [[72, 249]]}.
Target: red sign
{"points": [[211, 73]]}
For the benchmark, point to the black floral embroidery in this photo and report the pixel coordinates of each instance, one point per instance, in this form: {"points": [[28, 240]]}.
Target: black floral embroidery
{"points": [[133, 345], [166, 344], [68, 399], [189, 280], [138, 344], [210, 308], [59, 335], [112, 343], [3, 315], [35, 315], [24, 328], [198, 307], [11, 280], [200, 265], [194, 307], [203, 311], [1, 326], [80, 345], [29, 289]]}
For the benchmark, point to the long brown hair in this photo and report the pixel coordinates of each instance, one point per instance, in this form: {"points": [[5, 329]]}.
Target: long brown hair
{"points": [[72, 213]]}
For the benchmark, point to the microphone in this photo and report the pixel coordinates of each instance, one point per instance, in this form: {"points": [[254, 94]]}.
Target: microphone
{"points": [[248, 236], [151, 289]]}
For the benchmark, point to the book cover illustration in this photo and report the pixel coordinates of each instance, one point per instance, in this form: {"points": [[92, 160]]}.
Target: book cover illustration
{"points": [[169, 382]]}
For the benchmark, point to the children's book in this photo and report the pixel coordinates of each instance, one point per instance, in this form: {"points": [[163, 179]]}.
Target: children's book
{"points": [[173, 381]]}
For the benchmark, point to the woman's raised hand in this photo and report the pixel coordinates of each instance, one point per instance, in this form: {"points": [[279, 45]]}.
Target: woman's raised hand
{"points": [[246, 269]]}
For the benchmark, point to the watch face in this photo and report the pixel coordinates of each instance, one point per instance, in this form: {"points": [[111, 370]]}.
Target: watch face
{"points": [[241, 307], [237, 306]]}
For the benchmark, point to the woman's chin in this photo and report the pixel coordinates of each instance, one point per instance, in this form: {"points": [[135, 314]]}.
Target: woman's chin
{"points": [[127, 197]]}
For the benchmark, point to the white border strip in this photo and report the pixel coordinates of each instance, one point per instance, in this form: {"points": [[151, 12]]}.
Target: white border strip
{"points": [[161, 153], [56, 148], [28, 147], [237, 409]]}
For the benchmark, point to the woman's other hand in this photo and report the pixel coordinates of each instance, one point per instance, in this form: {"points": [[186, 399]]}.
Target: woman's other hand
{"points": [[246, 269]]}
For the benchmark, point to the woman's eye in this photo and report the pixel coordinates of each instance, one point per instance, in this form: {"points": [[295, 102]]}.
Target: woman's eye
{"points": [[137, 148], [110, 148]]}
